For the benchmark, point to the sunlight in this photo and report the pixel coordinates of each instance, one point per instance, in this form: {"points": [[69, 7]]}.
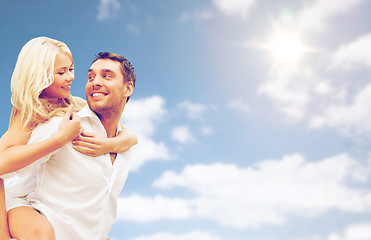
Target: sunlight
{"points": [[287, 49]]}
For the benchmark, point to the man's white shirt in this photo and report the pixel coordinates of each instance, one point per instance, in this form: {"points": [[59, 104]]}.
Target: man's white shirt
{"points": [[77, 193]]}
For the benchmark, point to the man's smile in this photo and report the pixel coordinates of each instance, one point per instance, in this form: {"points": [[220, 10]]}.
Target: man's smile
{"points": [[98, 94]]}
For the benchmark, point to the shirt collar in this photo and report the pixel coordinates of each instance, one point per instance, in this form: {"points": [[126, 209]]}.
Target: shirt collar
{"points": [[86, 112]]}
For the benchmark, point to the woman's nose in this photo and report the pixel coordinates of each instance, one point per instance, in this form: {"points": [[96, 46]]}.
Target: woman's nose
{"points": [[70, 76]]}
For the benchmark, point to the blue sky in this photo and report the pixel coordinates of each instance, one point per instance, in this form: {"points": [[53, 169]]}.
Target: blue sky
{"points": [[253, 116]]}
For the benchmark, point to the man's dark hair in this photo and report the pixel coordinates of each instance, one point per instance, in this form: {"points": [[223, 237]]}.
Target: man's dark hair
{"points": [[127, 69]]}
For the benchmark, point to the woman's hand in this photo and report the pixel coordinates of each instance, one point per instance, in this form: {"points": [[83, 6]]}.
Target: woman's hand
{"points": [[70, 126], [94, 145], [91, 144]]}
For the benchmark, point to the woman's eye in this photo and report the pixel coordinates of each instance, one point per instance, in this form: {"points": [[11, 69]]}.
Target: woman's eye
{"points": [[61, 73]]}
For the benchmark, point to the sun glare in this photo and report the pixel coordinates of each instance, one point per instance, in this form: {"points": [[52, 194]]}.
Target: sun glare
{"points": [[287, 49]]}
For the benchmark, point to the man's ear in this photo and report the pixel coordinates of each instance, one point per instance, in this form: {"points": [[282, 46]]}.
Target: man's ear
{"points": [[128, 88]]}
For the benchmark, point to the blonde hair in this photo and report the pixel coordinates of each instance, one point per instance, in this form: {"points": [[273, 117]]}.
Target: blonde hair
{"points": [[32, 74]]}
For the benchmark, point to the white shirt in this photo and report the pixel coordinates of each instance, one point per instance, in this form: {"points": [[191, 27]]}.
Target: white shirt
{"points": [[77, 193]]}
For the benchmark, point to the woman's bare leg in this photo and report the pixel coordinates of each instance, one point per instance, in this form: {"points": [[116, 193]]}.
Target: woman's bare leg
{"points": [[27, 223], [4, 231]]}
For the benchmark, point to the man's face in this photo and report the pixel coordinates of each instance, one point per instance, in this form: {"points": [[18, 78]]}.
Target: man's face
{"points": [[106, 91]]}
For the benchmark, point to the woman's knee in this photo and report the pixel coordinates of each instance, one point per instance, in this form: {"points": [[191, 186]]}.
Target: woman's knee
{"points": [[27, 223], [46, 232]]}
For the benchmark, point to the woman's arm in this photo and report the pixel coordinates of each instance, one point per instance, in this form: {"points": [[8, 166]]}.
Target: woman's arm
{"points": [[93, 145], [16, 154]]}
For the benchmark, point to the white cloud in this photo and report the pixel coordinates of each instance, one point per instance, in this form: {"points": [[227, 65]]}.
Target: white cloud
{"points": [[313, 237], [207, 130], [316, 14], [305, 92], [182, 134], [352, 55], [360, 231], [148, 150], [351, 119], [142, 209], [142, 116], [307, 96], [270, 190], [107, 8], [239, 105], [266, 193], [194, 235], [290, 91], [193, 110], [241, 8]]}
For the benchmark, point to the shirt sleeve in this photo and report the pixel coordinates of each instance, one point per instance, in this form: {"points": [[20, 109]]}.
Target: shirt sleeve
{"points": [[41, 132]]}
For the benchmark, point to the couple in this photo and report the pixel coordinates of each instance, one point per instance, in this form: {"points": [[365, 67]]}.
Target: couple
{"points": [[70, 166]]}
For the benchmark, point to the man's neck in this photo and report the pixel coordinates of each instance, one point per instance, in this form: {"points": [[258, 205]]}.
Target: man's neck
{"points": [[110, 125], [110, 120]]}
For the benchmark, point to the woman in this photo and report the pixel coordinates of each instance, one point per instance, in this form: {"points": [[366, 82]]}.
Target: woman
{"points": [[40, 87]]}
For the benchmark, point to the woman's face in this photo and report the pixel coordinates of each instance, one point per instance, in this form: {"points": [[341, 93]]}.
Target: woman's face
{"points": [[63, 76]]}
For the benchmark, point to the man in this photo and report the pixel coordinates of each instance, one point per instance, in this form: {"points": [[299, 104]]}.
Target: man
{"points": [[77, 193]]}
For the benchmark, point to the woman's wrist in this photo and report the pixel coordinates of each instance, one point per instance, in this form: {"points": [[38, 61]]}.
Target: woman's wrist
{"points": [[59, 140], [109, 146]]}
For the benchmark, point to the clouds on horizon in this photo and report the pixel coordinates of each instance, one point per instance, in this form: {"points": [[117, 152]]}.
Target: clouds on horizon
{"points": [[358, 231], [266, 193], [194, 235]]}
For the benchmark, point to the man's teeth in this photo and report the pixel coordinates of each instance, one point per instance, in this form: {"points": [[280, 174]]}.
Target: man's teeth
{"points": [[97, 94]]}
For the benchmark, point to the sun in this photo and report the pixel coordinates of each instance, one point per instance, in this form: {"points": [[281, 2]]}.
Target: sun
{"points": [[287, 48]]}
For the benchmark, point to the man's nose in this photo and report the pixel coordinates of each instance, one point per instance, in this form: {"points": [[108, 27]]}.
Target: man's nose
{"points": [[97, 81]]}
